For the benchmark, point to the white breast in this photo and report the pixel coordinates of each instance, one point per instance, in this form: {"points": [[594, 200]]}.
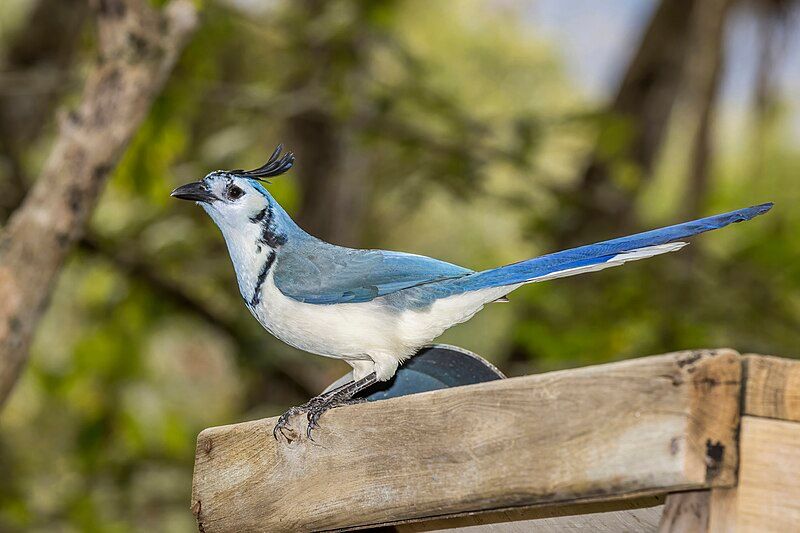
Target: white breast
{"points": [[345, 331], [368, 331]]}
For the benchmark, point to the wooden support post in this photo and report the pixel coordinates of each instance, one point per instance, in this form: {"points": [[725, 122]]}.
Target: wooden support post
{"points": [[605, 433], [767, 497], [686, 512]]}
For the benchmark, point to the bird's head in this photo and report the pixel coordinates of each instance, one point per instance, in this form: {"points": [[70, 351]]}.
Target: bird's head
{"points": [[239, 204]]}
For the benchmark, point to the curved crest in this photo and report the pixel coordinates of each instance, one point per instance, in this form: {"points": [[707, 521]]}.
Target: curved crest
{"points": [[275, 166]]}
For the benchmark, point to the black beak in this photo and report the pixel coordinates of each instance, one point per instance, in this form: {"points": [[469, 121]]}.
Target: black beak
{"points": [[194, 191]]}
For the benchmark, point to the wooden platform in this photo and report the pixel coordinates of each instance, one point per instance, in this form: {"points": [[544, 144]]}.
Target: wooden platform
{"points": [[694, 441]]}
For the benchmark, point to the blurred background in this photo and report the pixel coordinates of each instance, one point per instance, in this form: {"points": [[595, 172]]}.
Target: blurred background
{"points": [[481, 133]]}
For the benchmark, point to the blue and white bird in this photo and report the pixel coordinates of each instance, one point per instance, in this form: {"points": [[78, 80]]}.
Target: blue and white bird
{"points": [[375, 308]]}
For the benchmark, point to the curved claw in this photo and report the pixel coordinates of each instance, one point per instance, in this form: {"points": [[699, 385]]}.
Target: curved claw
{"points": [[313, 420], [308, 431], [279, 425], [283, 420], [313, 417], [314, 409]]}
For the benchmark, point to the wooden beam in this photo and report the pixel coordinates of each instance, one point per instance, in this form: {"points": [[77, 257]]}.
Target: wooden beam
{"points": [[646, 426], [636, 514], [773, 387], [767, 497]]}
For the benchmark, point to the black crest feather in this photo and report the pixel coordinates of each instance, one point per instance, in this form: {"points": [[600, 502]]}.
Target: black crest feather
{"points": [[275, 166]]}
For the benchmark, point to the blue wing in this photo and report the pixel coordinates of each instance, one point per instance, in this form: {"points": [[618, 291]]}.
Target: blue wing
{"points": [[320, 273]]}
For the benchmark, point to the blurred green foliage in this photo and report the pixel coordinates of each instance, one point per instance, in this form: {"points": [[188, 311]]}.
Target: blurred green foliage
{"points": [[463, 128]]}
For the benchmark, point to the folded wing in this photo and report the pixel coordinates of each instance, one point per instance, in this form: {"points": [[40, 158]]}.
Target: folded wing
{"points": [[331, 274]]}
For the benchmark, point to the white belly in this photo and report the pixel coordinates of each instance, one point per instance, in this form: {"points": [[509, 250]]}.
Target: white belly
{"points": [[346, 331], [369, 335]]}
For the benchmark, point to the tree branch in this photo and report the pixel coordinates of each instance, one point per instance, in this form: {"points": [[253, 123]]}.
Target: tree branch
{"points": [[138, 47], [640, 113], [35, 76]]}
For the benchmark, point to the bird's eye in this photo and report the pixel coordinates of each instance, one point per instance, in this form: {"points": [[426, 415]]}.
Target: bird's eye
{"points": [[233, 192]]}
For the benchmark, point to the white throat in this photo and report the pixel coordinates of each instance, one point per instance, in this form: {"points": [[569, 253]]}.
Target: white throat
{"points": [[248, 253]]}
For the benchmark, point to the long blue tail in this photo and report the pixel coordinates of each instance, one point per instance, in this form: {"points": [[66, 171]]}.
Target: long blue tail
{"points": [[601, 255]]}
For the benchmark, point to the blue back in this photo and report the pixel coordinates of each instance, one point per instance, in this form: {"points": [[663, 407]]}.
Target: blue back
{"points": [[312, 271], [316, 272]]}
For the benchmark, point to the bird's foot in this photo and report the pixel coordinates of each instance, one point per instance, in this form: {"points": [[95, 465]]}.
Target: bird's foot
{"points": [[316, 411], [283, 420], [314, 408]]}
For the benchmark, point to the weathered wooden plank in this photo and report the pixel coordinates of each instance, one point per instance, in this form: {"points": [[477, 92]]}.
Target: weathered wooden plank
{"points": [[645, 426], [773, 387], [636, 514], [686, 512], [722, 510], [767, 497]]}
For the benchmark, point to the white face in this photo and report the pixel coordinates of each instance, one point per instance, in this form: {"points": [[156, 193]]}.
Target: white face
{"points": [[240, 210], [234, 200], [251, 222]]}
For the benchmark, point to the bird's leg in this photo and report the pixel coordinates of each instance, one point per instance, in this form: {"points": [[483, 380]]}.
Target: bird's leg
{"points": [[317, 405]]}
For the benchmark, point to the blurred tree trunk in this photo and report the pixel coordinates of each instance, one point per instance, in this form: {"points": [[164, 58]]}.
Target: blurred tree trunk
{"points": [[137, 50], [330, 168], [696, 115], [680, 58], [601, 204], [774, 17], [702, 149], [703, 79], [332, 205], [35, 74]]}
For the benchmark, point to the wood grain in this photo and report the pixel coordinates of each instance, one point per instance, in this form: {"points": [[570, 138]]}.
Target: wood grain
{"points": [[638, 427], [773, 387], [636, 514], [686, 512], [767, 497], [722, 510]]}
